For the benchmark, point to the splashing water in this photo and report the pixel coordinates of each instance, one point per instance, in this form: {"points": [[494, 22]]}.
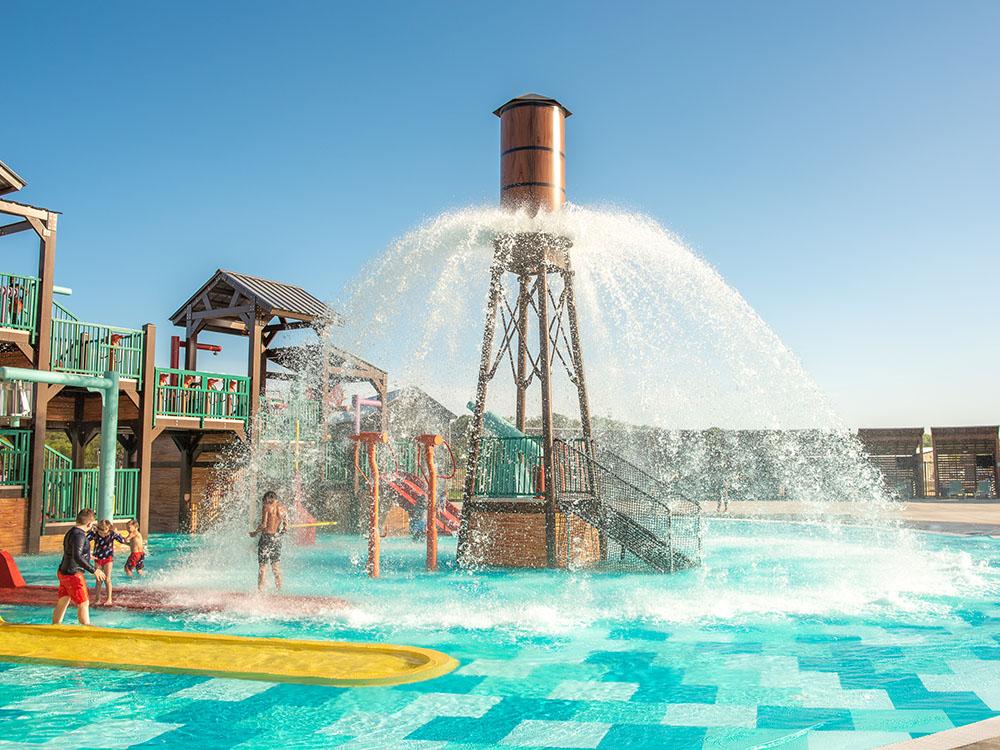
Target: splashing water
{"points": [[670, 350], [666, 341]]}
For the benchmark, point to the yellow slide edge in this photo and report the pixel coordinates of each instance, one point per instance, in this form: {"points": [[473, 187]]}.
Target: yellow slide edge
{"points": [[334, 663]]}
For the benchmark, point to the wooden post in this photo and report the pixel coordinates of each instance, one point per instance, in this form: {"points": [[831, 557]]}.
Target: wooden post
{"points": [[147, 413], [522, 350], [43, 352], [581, 391], [428, 443], [371, 441], [191, 349], [476, 428], [255, 352], [545, 370]]}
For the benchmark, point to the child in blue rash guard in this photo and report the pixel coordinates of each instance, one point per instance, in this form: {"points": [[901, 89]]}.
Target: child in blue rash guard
{"points": [[104, 537]]}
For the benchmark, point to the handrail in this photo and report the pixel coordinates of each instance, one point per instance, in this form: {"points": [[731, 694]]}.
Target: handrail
{"points": [[57, 308], [561, 481], [201, 395], [57, 460], [608, 456]]}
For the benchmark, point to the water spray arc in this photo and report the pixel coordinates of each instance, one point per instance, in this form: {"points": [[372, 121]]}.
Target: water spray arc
{"points": [[532, 179]]}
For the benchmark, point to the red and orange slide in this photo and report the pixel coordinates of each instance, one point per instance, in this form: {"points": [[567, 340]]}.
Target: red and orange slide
{"points": [[409, 488]]}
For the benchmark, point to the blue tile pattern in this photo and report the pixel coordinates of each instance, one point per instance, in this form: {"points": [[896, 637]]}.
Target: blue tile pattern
{"points": [[795, 681]]}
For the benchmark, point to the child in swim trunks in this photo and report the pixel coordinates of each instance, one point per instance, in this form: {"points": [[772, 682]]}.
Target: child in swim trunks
{"points": [[273, 524], [137, 558], [75, 561], [104, 537]]}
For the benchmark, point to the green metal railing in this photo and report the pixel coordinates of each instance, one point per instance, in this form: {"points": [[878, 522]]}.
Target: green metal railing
{"points": [[509, 466], [15, 455], [93, 349], [279, 419], [19, 302], [202, 395], [67, 491]]}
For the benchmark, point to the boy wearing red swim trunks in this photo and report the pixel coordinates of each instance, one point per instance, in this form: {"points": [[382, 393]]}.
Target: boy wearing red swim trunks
{"points": [[137, 558], [75, 561]]}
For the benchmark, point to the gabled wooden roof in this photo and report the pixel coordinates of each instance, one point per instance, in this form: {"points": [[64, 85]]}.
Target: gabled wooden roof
{"points": [[222, 301], [10, 182]]}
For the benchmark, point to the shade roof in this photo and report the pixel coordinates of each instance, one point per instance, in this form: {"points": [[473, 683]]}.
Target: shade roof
{"points": [[274, 298], [10, 181]]}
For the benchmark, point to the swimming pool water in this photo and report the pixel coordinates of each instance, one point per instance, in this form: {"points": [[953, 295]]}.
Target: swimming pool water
{"points": [[790, 636]]}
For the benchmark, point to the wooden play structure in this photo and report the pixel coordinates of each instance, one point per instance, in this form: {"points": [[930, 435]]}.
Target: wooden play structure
{"points": [[174, 422]]}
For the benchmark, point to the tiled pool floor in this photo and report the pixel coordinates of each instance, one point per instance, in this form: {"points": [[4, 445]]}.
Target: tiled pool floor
{"points": [[789, 681]]}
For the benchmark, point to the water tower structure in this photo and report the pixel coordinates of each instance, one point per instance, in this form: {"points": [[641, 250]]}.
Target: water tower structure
{"points": [[511, 515]]}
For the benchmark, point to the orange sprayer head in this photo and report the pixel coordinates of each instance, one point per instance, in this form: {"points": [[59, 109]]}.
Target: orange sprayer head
{"points": [[430, 439]]}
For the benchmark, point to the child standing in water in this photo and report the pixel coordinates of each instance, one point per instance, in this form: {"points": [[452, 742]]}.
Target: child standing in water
{"points": [[75, 562], [104, 537], [273, 524], [137, 558]]}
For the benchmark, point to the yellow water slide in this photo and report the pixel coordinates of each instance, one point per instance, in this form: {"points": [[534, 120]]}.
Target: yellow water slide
{"points": [[269, 659]]}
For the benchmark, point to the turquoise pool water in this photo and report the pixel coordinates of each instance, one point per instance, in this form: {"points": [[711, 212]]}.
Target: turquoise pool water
{"points": [[790, 636]]}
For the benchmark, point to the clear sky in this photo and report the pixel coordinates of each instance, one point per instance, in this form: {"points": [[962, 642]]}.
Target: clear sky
{"points": [[838, 163]]}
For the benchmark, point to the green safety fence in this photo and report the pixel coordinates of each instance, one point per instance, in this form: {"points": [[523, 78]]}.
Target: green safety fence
{"points": [[68, 490], [279, 418], [93, 349], [19, 302], [201, 395], [509, 466], [15, 456]]}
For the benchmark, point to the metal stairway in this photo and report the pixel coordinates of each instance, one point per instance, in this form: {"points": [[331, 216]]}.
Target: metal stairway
{"points": [[638, 515]]}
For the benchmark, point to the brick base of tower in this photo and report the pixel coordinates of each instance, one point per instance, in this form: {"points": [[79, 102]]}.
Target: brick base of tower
{"points": [[505, 534]]}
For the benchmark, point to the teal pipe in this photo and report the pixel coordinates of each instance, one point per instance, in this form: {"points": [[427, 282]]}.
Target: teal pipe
{"points": [[107, 386]]}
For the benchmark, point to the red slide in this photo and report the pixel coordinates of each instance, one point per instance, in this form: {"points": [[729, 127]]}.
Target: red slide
{"points": [[409, 488]]}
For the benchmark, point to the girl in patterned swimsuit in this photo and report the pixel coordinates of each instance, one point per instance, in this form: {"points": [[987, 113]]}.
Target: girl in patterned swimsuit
{"points": [[104, 537]]}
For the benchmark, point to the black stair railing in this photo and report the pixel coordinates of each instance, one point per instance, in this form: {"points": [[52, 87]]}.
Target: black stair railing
{"points": [[631, 517]]}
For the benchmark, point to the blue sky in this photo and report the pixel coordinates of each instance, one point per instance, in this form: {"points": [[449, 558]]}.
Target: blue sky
{"points": [[838, 163]]}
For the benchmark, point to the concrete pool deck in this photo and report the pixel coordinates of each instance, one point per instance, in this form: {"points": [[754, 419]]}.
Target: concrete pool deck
{"points": [[965, 517]]}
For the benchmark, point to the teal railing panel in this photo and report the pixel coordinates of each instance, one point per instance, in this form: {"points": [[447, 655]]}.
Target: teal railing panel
{"points": [[93, 349], [68, 490], [15, 456], [202, 395], [509, 466], [19, 302]]}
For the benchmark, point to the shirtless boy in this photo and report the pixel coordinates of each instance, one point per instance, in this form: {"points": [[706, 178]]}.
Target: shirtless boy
{"points": [[137, 556], [273, 524], [76, 560]]}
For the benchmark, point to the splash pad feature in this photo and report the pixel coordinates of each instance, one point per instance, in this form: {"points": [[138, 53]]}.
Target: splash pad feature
{"points": [[575, 506], [234, 657]]}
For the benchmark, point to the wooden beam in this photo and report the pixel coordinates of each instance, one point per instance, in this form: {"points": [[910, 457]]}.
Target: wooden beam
{"points": [[221, 313], [19, 226], [191, 352], [43, 348], [224, 326], [147, 430], [28, 212], [255, 356], [293, 326]]}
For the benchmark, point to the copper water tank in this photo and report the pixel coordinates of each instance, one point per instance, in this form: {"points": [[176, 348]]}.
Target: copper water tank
{"points": [[533, 153]]}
